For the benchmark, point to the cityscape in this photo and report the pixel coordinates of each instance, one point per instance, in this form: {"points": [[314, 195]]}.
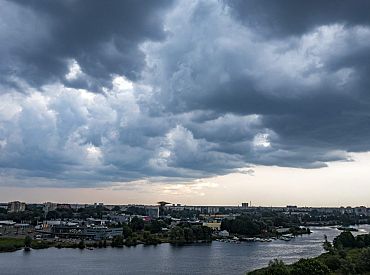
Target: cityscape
{"points": [[96, 222], [185, 137], [39, 226]]}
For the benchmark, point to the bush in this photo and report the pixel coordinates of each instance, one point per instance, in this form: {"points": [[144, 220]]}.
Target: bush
{"points": [[117, 241], [152, 240], [346, 267], [309, 266], [333, 262], [27, 241], [127, 232], [131, 241], [364, 261], [40, 244], [276, 267], [345, 239], [81, 244]]}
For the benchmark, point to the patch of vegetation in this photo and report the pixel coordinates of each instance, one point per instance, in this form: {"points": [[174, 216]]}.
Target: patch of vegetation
{"points": [[347, 255], [11, 244], [190, 234], [36, 244]]}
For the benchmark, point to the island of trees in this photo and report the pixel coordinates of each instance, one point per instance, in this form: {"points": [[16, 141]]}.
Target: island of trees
{"points": [[135, 232]]}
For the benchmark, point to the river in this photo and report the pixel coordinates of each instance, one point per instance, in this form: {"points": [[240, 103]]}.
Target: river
{"points": [[215, 258]]}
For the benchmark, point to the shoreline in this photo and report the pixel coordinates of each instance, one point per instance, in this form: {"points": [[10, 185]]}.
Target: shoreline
{"points": [[16, 244], [347, 254]]}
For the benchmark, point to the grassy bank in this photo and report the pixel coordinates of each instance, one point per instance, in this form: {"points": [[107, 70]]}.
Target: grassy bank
{"points": [[10, 244]]}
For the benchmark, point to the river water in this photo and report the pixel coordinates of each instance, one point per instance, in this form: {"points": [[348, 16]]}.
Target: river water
{"points": [[214, 258]]}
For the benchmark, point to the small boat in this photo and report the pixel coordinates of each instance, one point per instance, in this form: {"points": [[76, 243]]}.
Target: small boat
{"points": [[266, 240], [249, 239], [285, 239]]}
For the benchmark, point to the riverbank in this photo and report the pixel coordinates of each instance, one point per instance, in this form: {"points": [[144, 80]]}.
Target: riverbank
{"points": [[215, 258], [11, 244], [14, 244], [346, 255], [350, 261], [8, 244]]}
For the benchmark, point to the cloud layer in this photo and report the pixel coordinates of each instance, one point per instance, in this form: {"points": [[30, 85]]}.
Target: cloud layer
{"points": [[101, 94]]}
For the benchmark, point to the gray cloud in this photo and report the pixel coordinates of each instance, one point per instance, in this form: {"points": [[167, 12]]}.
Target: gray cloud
{"points": [[289, 17], [189, 90], [310, 89], [103, 38]]}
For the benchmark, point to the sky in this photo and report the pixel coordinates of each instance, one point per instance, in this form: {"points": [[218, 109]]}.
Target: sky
{"points": [[212, 102]]}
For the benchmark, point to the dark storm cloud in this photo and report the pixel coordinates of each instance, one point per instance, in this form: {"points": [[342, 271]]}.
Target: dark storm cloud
{"points": [[309, 84], [191, 90], [102, 36], [290, 17]]}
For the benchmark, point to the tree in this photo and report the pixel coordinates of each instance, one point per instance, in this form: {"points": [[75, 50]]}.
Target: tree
{"points": [[117, 241], [131, 241], [27, 242], [188, 235], [116, 208], [364, 261], [177, 235], [52, 215], [243, 225], [126, 231], [276, 267], [81, 244], [137, 224], [327, 245], [333, 262], [309, 266], [345, 239], [156, 226], [150, 238]]}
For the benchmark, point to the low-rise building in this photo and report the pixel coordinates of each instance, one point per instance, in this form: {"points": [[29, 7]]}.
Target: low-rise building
{"points": [[213, 225], [92, 221], [90, 232], [7, 223], [102, 232], [122, 218]]}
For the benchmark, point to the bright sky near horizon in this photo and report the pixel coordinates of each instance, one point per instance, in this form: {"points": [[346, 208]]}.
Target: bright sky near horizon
{"points": [[340, 184], [190, 101]]}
